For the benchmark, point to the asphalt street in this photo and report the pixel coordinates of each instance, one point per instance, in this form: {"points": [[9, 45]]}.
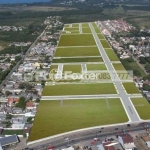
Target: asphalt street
{"points": [[128, 106]]}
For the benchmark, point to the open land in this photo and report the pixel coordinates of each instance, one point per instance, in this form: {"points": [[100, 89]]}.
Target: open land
{"points": [[75, 114], [111, 54], [130, 88], [142, 106], [77, 40], [76, 59], [77, 52], [96, 67], [79, 89]]}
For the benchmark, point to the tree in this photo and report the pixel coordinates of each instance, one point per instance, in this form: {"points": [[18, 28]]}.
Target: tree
{"points": [[17, 58], [147, 67], [37, 100], [21, 86], [43, 83], [136, 72], [8, 93], [142, 60], [146, 87], [28, 86], [35, 92], [21, 103]]}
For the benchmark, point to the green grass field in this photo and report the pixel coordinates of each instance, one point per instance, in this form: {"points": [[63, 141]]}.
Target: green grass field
{"points": [[57, 117], [105, 44], [131, 88], [142, 106], [118, 66], [85, 25], [96, 67], [86, 30], [134, 65], [53, 67], [96, 28], [72, 68], [100, 36], [77, 40], [77, 51], [71, 29], [66, 25], [84, 59], [111, 55], [12, 132], [70, 32], [79, 89], [76, 25]]}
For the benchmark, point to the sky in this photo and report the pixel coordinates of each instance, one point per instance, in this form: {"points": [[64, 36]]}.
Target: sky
{"points": [[21, 1]]}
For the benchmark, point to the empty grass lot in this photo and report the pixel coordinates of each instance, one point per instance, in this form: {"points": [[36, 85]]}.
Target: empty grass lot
{"points": [[131, 88], [54, 118], [77, 40], [79, 89], [96, 28], [84, 59], [71, 29], [66, 25], [111, 55], [70, 32], [100, 36], [86, 30], [53, 67], [142, 106], [134, 65], [84, 25], [118, 66], [72, 68], [105, 44], [77, 51], [96, 67], [76, 25]]}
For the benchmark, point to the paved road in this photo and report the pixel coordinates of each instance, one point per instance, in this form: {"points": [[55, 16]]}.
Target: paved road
{"points": [[85, 136], [86, 96], [128, 106]]}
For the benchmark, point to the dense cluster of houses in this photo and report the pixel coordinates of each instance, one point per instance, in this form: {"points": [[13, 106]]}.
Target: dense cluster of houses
{"points": [[117, 26], [20, 44], [12, 28], [139, 46], [27, 81], [121, 141]]}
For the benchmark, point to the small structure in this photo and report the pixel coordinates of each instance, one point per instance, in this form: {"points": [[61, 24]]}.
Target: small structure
{"points": [[126, 140], [147, 140], [9, 140]]}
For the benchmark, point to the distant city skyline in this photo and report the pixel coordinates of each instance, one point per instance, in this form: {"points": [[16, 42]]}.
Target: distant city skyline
{"points": [[21, 1]]}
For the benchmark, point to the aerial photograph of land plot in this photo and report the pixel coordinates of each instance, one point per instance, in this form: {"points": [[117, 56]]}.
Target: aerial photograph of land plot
{"points": [[111, 54], [96, 67], [78, 54], [77, 59], [77, 40], [75, 114], [77, 51], [74, 74]]}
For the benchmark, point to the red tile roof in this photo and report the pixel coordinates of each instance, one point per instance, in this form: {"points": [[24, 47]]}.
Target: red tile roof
{"points": [[127, 138], [30, 104], [108, 147]]}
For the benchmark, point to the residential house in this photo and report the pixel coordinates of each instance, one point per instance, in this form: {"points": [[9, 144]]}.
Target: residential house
{"points": [[11, 101], [147, 140], [126, 140], [30, 105]]}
